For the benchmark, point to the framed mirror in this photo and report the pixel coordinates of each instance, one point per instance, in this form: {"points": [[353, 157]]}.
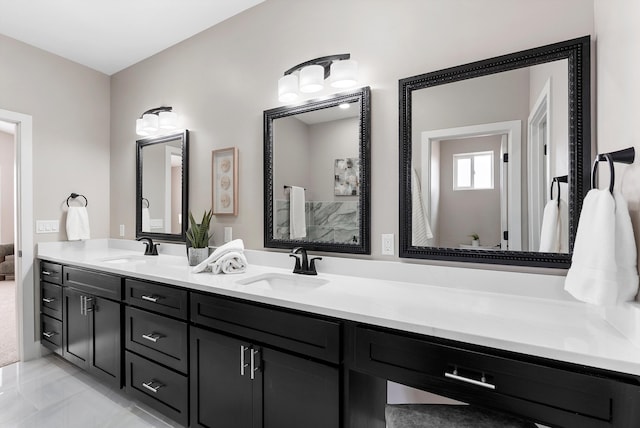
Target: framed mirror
{"points": [[494, 158], [317, 174], [162, 187]]}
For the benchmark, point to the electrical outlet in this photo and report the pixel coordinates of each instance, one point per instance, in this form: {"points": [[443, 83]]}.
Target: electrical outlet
{"points": [[228, 234], [387, 244], [122, 230]]}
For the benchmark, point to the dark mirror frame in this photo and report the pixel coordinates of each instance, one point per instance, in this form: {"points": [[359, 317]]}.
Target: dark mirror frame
{"points": [[184, 137], [577, 52], [363, 96]]}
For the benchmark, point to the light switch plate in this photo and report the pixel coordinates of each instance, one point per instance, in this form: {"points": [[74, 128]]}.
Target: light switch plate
{"points": [[228, 234], [47, 226], [387, 244]]}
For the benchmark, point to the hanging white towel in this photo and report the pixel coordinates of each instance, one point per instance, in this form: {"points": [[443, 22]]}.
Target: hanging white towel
{"points": [[146, 220], [550, 230], [603, 268], [235, 246], [78, 224], [297, 221], [420, 227]]}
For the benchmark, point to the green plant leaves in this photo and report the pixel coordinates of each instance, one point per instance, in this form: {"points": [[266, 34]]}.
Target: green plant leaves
{"points": [[198, 234]]}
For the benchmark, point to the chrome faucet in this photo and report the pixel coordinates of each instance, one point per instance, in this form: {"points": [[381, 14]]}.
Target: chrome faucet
{"points": [[151, 249], [303, 265]]}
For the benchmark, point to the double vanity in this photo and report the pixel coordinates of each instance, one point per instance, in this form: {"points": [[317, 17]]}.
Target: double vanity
{"points": [[268, 348]]}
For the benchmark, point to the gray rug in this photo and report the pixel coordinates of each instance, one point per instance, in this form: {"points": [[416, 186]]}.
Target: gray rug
{"points": [[8, 328]]}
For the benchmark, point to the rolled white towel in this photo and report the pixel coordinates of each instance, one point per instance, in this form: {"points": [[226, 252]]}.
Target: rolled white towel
{"points": [[231, 262], [237, 245]]}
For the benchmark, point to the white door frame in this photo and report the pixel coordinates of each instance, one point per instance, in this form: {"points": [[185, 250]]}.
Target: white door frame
{"points": [[28, 342], [539, 181], [512, 129]]}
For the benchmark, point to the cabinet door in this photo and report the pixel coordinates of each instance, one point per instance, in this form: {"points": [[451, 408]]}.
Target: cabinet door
{"points": [[106, 342], [76, 328], [221, 396], [298, 392]]}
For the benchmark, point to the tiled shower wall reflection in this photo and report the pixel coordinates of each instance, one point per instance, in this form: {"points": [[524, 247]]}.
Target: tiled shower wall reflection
{"points": [[327, 221]]}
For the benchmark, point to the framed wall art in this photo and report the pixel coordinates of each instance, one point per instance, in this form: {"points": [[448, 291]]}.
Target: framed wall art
{"points": [[346, 173], [224, 181]]}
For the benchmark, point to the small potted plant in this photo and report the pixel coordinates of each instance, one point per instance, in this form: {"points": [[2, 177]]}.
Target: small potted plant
{"points": [[475, 239], [198, 236]]}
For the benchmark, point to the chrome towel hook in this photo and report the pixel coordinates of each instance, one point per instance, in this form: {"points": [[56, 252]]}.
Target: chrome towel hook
{"points": [[621, 156]]}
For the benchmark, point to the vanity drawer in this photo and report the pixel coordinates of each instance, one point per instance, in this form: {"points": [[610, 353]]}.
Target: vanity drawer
{"points": [[162, 389], [156, 297], [51, 272], [520, 383], [295, 332], [51, 333], [51, 300], [96, 283], [159, 338]]}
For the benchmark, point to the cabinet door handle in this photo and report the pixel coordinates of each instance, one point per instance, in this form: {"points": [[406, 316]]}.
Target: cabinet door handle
{"points": [[480, 382], [88, 305], [150, 387], [46, 272], [47, 300], [152, 337], [243, 365], [48, 334], [153, 299], [254, 366], [82, 305]]}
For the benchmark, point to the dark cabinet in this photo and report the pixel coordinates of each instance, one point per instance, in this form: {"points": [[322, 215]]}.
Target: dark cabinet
{"points": [[51, 306], [263, 366], [157, 344], [92, 336]]}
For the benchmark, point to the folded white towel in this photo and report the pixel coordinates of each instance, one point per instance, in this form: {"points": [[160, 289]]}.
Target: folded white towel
{"points": [[235, 246], [78, 224], [146, 220], [603, 267], [232, 262], [420, 227], [297, 221]]}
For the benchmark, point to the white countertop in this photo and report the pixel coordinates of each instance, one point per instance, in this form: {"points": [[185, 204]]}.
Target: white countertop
{"points": [[541, 324]]}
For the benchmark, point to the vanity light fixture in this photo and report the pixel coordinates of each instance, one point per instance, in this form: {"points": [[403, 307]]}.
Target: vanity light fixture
{"points": [[156, 120], [309, 77]]}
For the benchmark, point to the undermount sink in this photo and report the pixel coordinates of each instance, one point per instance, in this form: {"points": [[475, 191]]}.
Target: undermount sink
{"points": [[283, 282]]}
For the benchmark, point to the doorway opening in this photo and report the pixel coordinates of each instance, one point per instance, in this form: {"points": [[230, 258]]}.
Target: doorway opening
{"points": [[26, 333]]}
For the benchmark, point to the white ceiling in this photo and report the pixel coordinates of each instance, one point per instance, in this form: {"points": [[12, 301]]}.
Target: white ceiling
{"points": [[111, 35]]}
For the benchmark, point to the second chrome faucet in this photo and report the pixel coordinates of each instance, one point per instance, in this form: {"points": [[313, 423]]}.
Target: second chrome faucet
{"points": [[304, 266]]}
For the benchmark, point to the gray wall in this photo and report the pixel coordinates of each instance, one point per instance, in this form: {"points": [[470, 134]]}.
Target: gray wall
{"points": [[7, 156], [69, 104], [221, 81]]}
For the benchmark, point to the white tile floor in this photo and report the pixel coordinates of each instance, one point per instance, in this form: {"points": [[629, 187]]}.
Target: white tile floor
{"points": [[49, 392]]}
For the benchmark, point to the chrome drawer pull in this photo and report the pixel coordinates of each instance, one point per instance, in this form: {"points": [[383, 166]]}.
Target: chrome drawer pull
{"points": [[153, 337], [481, 382], [150, 387], [153, 299], [47, 300], [48, 335], [46, 272]]}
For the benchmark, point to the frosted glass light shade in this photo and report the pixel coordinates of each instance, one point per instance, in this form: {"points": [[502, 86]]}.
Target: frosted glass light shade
{"points": [[344, 74], [168, 120], [139, 130], [312, 79], [150, 123], [288, 88]]}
